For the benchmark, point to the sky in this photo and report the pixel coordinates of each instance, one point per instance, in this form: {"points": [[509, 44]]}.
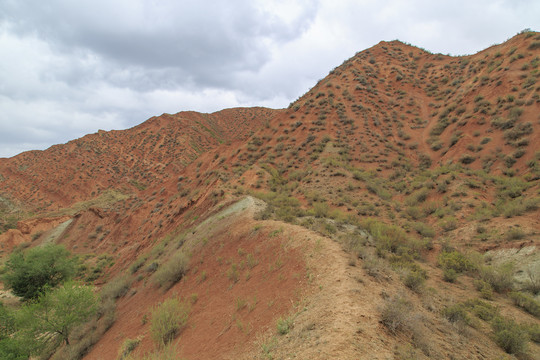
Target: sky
{"points": [[69, 68]]}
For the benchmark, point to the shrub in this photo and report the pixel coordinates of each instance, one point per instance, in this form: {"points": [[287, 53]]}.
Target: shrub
{"points": [[456, 261], [514, 234], [509, 335], [284, 325], [482, 309], [424, 229], [395, 313], [486, 290], [168, 352], [390, 237], [450, 275], [127, 347], [499, 277], [28, 273], [137, 264], [168, 320], [449, 223], [526, 302], [532, 283], [534, 331], [467, 159], [456, 314], [415, 279], [172, 271], [116, 288]]}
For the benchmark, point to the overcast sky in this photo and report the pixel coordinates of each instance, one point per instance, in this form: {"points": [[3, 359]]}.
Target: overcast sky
{"points": [[69, 68]]}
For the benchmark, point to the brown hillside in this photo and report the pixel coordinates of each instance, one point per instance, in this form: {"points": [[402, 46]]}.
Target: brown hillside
{"points": [[132, 159], [393, 211]]}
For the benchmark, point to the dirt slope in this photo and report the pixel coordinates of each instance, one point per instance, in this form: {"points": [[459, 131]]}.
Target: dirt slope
{"points": [[396, 158]]}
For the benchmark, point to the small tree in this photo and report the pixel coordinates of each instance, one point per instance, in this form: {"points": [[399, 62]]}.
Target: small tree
{"points": [[28, 273], [57, 312]]}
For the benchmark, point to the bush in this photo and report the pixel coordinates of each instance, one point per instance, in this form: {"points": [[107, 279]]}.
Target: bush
{"points": [[534, 332], [509, 335], [499, 277], [424, 229], [168, 320], [127, 347], [486, 290], [456, 314], [172, 271], [284, 325], [116, 288], [449, 223], [168, 352], [415, 279], [28, 273], [526, 302], [450, 275], [482, 309], [390, 238], [395, 313], [456, 261]]}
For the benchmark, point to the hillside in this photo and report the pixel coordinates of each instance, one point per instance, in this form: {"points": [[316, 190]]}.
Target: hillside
{"points": [[392, 211]]}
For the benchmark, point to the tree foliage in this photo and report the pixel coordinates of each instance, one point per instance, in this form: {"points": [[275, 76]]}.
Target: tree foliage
{"points": [[28, 273], [10, 346], [55, 313]]}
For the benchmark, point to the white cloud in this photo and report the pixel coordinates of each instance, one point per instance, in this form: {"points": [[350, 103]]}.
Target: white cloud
{"points": [[69, 68]]}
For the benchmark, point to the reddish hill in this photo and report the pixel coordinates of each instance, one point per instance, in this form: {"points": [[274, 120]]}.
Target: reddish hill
{"points": [[396, 159], [132, 159]]}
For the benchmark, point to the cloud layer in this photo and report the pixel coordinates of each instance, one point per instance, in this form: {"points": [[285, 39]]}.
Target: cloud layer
{"points": [[69, 68]]}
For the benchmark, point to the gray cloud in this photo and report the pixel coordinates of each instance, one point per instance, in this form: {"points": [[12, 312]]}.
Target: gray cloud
{"points": [[191, 41], [70, 68]]}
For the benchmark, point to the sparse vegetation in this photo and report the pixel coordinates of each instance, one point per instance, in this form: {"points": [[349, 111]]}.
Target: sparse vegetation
{"points": [[172, 271], [168, 320]]}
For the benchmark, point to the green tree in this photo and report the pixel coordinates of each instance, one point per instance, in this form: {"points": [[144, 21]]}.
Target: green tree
{"points": [[28, 273], [10, 346], [52, 317]]}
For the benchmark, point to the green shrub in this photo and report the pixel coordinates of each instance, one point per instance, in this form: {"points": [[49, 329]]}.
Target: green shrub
{"points": [[284, 325], [534, 331], [172, 271], [449, 223], [168, 352], [486, 290], [509, 335], [127, 347], [424, 229], [456, 261], [28, 273], [417, 197], [415, 279], [391, 238], [482, 309], [501, 278], [168, 320], [321, 210], [526, 302], [116, 288], [137, 264], [450, 275], [456, 314]]}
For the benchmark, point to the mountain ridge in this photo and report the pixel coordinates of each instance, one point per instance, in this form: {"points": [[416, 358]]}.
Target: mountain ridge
{"points": [[395, 161]]}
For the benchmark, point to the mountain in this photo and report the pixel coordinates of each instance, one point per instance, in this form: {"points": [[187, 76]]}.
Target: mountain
{"points": [[392, 211]]}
